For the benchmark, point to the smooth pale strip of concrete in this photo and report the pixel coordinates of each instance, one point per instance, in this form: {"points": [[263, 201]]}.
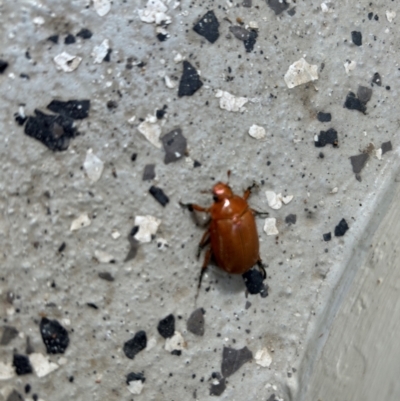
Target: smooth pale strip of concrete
{"points": [[360, 359]]}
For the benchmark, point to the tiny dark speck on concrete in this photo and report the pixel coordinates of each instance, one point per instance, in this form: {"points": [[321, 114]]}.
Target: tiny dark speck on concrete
{"points": [[233, 359], [324, 117], [190, 80], [84, 33], [166, 326], [356, 37], [195, 323], [341, 228], [21, 364], [134, 377], [327, 236], [207, 26], [55, 337], [135, 345], [159, 195], [176, 352]]}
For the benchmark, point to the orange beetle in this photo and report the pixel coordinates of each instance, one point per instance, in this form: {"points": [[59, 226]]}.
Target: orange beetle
{"points": [[232, 233]]}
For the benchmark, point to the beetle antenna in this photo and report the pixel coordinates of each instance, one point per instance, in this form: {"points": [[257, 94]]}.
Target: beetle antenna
{"points": [[228, 173]]}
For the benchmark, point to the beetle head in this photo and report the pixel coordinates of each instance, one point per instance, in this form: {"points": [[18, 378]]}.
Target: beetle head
{"points": [[221, 191]]}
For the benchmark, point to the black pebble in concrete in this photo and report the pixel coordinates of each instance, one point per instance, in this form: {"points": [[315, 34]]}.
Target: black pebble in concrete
{"points": [[254, 281], [208, 26], [324, 117], [53, 38], [135, 344], [69, 39], [356, 37], [131, 377], [233, 359], [3, 66], [327, 137], [341, 228], [195, 323], [166, 326], [54, 132], [76, 109], [278, 6], [251, 41], [159, 195], [106, 276], [386, 147], [55, 337], [84, 33], [352, 103], [327, 236], [174, 145], [21, 364], [218, 389], [190, 80], [291, 219]]}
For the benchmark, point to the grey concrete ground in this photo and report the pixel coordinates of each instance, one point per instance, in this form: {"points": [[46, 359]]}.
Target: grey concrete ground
{"points": [[44, 191]]}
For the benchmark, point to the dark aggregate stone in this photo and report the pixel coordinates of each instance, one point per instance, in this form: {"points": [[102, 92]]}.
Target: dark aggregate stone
{"points": [[356, 37], [162, 37], [278, 6], [292, 11], [176, 352], [386, 147], [135, 344], [251, 41], [166, 326], [149, 172], [21, 364], [131, 377], [9, 333], [218, 389], [84, 33], [327, 137], [159, 195], [106, 276], [3, 66], [247, 3], [55, 337], [54, 132], [174, 144], [291, 219], [358, 162], [69, 39], [15, 396], [327, 237], [208, 26], [376, 79], [53, 38], [364, 94], [190, 80], [76, 109], [254, 281], [353, 103], [324, 117], [341, 228], [195, 323], [232, 360], [239, 32]]}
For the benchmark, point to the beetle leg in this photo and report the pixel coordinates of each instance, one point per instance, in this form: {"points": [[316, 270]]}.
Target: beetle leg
{"points": [[205, 239], [248, 190], [207, 258], [193, 206], [261, 267], [258, 213]]}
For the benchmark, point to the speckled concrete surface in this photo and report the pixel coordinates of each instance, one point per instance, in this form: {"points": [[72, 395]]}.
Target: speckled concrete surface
{"points": [[42, 191]]}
